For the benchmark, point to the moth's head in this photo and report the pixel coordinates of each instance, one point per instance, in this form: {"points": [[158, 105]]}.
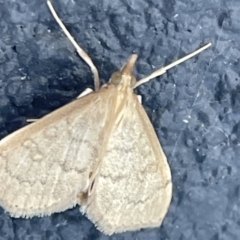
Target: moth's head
{"points": [[125, 76]]}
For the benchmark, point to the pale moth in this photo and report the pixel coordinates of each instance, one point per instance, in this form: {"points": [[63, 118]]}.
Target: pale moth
{"points": [[99, 151]]}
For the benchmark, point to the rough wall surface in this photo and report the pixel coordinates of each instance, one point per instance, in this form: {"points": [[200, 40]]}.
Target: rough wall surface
{"points": [[194, 107]]}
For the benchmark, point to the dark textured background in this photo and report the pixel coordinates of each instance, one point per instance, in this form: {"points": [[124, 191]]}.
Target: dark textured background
{"points": [[194, 107]]}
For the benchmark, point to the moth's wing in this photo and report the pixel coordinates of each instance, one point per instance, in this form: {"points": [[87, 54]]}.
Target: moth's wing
{"points": [[45, 165], [133, 188]]}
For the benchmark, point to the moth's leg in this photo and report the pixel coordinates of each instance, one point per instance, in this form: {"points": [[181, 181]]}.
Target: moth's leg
{"points": [[139, 97], [32, 120], [80, 51], [85, 92]]}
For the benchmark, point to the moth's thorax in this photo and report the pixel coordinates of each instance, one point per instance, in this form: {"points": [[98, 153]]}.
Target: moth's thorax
{"points": [[120, 91], [119, 96], [123, 79]]}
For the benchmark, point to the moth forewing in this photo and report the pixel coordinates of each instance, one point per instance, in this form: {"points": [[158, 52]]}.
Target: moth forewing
{"points": [[46, 164], [133, 187]]}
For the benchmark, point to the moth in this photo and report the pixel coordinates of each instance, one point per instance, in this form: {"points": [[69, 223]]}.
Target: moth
{"points": [[99, 151]]}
